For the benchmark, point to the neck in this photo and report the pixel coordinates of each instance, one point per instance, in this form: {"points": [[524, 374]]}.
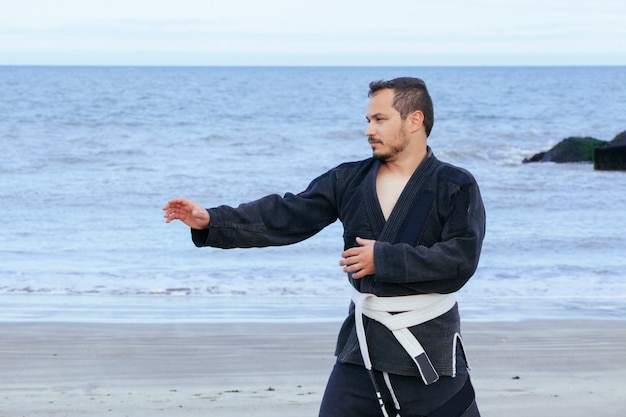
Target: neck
{"points": [[405, 164]]}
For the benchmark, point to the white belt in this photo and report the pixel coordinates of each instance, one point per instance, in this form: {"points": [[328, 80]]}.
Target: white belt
{"points": [[411, 310]]}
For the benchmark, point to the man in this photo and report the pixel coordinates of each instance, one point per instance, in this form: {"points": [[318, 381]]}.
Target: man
{"points": [[413, 231]]}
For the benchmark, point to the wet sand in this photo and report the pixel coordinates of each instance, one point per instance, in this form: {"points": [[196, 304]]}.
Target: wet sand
{"points": [[519, 369]]}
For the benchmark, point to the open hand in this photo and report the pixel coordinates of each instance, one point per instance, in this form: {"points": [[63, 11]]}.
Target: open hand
{"points": [[188, 212]]}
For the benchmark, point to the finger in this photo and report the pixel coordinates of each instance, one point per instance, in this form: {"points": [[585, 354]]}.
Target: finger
{"points": [[349, 260], [350, 252], [176, 202], [169, 204], [171, 214], [352, 267]]}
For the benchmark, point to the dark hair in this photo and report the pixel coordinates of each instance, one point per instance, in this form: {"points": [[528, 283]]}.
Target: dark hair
{"points": [[410, 94]]}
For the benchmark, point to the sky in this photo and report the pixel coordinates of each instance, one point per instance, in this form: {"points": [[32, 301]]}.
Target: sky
{"points": [[313, 32]]}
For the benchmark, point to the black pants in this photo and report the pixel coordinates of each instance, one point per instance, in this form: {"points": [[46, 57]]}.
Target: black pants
{"points": [[350, 393]]}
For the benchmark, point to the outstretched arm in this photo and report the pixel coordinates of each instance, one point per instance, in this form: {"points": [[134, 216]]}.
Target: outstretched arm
{"points": [[188, 212]]}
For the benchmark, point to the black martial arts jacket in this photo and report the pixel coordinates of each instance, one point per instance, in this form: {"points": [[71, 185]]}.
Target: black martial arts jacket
{"points": [[430, 243]]}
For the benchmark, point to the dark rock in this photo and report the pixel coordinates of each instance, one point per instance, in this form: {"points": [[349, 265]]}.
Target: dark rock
{"points": [[572, 149], [610, 158], [619, 139], [538, 157]]}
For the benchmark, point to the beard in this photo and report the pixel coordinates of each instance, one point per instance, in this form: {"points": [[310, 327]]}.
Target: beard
{"points": [[383, 157], [398, 147]]}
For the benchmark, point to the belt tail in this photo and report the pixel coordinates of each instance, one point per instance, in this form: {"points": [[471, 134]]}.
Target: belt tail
{"points": [[426, 368]]}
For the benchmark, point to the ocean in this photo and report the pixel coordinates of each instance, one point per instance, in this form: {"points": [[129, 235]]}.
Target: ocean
{"points": [[91, 154]]}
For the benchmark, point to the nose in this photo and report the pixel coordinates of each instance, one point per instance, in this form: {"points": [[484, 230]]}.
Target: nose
{"points": [[370, 131]]}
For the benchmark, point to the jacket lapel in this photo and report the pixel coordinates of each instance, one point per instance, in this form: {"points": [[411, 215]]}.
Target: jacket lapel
{"points": [[391, 230], [375, 216]]}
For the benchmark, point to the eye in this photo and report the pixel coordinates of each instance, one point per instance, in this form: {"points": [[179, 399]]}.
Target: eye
{"points": [[377, 118]]}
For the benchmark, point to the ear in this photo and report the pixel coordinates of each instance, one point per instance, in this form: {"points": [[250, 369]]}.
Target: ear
{"points": [[416, 121]]}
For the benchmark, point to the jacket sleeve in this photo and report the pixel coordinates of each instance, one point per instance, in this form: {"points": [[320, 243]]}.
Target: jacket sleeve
{"points": [[447, 264], [273, 220]]}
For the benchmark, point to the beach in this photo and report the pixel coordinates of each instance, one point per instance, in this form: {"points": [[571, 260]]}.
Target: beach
{"points": [[108, 311], [526, 368]]}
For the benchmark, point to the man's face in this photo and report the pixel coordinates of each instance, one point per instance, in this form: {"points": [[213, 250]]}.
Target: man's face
{"points": [[386, 132]]}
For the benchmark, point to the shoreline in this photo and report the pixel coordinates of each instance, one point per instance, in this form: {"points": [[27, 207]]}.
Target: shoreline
{"points": [[522, 368], [138, 309]]}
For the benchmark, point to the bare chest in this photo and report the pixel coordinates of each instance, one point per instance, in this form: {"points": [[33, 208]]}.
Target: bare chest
{"points": [[388, 190]]}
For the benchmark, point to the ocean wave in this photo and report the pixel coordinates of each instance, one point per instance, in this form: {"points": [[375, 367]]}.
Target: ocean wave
{"points": [[286, 308], [502, 156]]}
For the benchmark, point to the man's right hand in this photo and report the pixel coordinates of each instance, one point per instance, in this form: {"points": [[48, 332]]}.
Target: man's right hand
{"points": [[188, 212]]}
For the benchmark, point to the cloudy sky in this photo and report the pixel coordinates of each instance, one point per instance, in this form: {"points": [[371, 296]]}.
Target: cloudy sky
{"points": [[313, 32]]}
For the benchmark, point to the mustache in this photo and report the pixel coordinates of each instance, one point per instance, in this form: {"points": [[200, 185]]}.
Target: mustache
{"points": [[372, 139]]}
